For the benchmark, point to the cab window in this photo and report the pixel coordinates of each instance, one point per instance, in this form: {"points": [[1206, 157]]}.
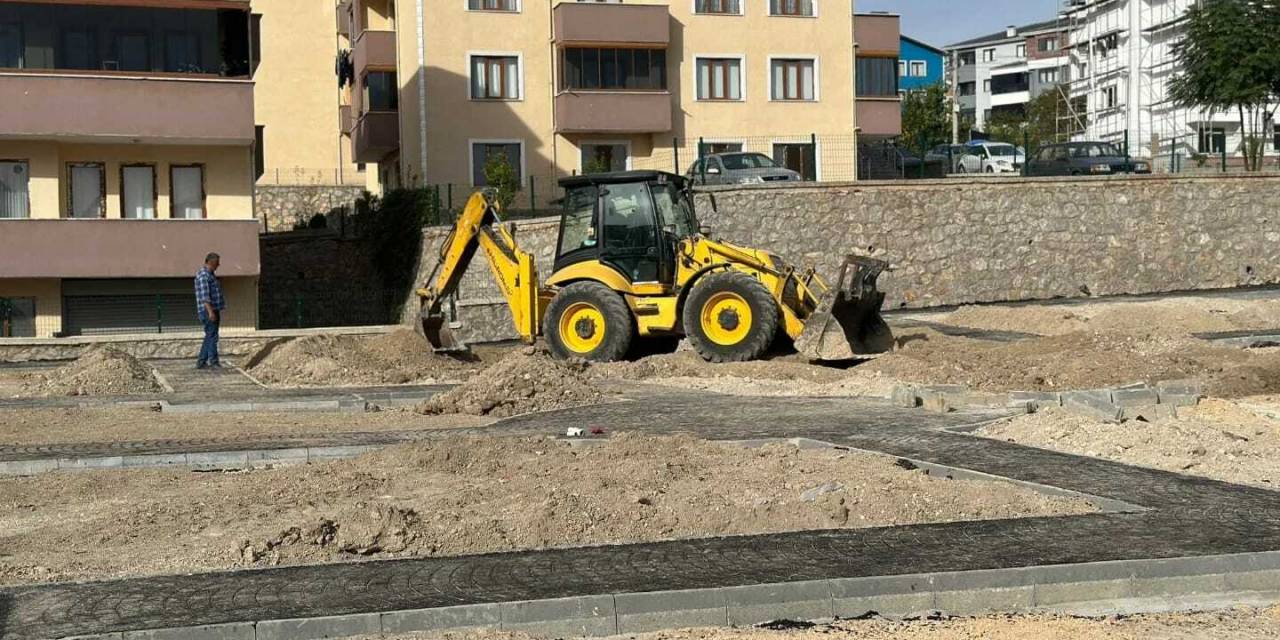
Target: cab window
{"points": [[630, 231], [577, 227], [673, 210]]}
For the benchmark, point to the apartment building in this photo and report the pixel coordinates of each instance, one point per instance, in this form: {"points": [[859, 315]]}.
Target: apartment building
{"points": [[558, 87], [126, 155], [920, 66], [1122, 61], [1000, 73], [297, 101]]}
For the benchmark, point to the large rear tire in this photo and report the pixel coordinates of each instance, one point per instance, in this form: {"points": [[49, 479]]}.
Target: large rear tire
{"points": [[730, 317], [588, 320]]}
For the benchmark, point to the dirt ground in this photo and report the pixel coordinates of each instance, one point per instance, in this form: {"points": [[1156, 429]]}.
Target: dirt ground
{"points": [[398, 357], [113, 424], [526, 380], [1236, 624], [1235, 441], [467, 495], [101, 371]]}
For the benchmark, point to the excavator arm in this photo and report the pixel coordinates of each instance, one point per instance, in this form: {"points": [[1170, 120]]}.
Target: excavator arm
{"points": [[480, 227]]}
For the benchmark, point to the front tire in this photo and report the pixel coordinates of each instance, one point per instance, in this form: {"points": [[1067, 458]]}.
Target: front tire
{"points": [[730, 317], [590, 321]]}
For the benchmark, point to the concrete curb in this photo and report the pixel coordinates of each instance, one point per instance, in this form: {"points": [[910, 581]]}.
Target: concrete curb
{"points": [[1129, 585], [1115, 405], [206, 461]]}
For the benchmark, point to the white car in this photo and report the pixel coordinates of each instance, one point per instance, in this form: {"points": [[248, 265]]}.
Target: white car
{"points": [[992, 157]]}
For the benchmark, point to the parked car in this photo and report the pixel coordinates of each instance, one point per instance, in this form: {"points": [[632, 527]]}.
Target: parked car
{"points": [[1083, 158], [982, 156], [739, 168], [945, 153]]}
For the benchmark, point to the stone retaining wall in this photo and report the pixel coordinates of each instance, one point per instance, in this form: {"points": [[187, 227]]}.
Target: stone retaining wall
{"points": [[981, 240], [281, 207]]}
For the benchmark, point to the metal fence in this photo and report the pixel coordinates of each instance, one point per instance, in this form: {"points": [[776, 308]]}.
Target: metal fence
{"points": [[120, 314], [329, 306]]}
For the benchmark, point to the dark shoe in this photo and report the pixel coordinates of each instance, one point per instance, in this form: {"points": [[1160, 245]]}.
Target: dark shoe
{"points": [[215, 365], [201, 365]]}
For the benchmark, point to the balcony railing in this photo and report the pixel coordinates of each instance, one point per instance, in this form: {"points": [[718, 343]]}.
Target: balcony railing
{"points": [[613, 111], [374, 49], [375, 135], [611, 23]]}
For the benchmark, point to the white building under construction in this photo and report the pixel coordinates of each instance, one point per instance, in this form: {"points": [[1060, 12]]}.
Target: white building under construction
{"points": [[1122, 62]]}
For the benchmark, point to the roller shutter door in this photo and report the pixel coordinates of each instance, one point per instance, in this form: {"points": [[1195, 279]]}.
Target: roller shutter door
{"points": [[128, 306]]}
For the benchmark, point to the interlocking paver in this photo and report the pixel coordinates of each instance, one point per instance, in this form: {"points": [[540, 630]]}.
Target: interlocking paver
{"points": [[1181, 516]]}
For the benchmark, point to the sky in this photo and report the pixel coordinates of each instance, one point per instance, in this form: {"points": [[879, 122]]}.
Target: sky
{"points": [[942, 22]]}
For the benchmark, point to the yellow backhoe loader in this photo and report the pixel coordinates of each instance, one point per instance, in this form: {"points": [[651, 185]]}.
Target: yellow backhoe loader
{"points": [[631, 262]]}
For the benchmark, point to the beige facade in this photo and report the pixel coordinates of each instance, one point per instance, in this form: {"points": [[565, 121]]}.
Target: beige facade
{"points": [[123, 160], [297, 100], [442, 126]]}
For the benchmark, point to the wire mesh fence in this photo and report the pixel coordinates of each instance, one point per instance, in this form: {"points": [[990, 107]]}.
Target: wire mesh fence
{"points": [[101, 315], [310, 176], [329, 307]]}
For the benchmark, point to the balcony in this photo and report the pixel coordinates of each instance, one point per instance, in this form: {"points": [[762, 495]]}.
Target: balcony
{"points": [[375, 135], [374, 49], [127, 107], [114, 248], [879, 116], [876, 34], [344, 18], [611, 23], [613, 111], [346, 119]]}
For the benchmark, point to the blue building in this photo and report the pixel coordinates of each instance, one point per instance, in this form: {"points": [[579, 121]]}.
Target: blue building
{"points": [[919, 65]]}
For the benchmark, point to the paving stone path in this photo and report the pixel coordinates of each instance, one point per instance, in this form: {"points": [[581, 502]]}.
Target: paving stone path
{"points": [[1179, 516]]}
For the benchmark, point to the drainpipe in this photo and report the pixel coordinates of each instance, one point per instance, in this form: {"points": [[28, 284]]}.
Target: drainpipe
{"points": [[420, 27]]}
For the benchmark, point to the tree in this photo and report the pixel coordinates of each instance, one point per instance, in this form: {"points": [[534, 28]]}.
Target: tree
{"points": [[1043, 121], [502, 178], [926, 118], [1229, 62], [596, 165]]}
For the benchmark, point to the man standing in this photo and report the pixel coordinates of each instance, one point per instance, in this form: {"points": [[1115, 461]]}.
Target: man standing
{"points": [[209, 306]]}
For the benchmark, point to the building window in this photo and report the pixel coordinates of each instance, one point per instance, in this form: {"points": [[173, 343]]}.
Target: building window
{"points": [[381, 91], [721, 147], [723, 7], [1009, 83], [86, 190], [133, 51], [902, 68], [800, 157], [968, 88], [614, 69], [1048, 76], [1021, 51], [11, 46], [481, 152], [495, 78], [182, 52], [138, 191], [988, 55], [79, 49], [792, 8], [600, 157], [492, 5], [876, 77], [719, 78], [919, 68], [259, 151], [1107, 98], [1048, 44], [986, 86], [15, 189], [968, 58], [186, 187], [794, 80], [1213, 140]]}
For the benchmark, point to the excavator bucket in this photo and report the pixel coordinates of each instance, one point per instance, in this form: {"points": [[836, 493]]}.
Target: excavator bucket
{"points": [[434, 326], [846, 323]]}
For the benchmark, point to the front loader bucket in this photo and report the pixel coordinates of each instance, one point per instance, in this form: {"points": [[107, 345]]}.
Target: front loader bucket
{"points": [[846, 323], [434, 326]]}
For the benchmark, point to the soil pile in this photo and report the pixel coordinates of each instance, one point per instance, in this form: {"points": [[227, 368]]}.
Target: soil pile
{"points": [[524, 381], [687, 364], [1082, 360], [1170, 316], [1219, 439], [460, 495], [399, 357], [101, 371]]}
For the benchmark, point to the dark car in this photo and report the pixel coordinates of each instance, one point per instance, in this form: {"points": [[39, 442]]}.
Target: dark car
{"points": [[1083, 159]]}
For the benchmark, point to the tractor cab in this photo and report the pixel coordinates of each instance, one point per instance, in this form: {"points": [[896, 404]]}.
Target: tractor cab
{"points": [[631, 221]]}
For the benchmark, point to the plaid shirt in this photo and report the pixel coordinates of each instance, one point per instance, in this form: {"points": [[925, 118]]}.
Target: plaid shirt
{"points": [[208, 290]]}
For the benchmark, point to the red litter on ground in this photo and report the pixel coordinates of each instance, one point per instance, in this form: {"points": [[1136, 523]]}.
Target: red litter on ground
{"points": [[596, 431]]}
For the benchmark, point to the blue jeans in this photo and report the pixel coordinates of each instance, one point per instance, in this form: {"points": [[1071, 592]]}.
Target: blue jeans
{"points": [[209, 348]]}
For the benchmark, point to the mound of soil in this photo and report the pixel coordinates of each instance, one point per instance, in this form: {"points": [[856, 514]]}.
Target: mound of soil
{"points": [[687, 364], [1170, 316], [1080, 360], [101, 371], [398, 357], [524, 381]]}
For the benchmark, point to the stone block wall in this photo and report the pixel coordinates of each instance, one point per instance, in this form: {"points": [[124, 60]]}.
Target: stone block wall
{"points": [[980, 240], [323, 277], [280, 207]]}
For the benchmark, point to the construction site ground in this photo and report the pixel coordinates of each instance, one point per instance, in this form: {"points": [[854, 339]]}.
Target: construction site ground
{"points": [[485, 467]]}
